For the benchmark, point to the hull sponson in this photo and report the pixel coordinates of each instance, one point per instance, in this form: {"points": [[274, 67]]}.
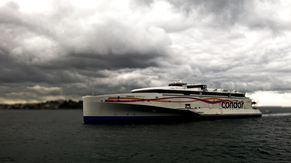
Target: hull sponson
{"points": [[97, 119], [118, 111], [232, 116]]}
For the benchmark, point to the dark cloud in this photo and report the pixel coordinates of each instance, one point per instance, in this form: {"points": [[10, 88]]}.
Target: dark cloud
{"points": [[224, 14], [65, 51]]}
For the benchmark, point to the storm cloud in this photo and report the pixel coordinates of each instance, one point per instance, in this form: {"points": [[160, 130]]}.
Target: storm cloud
{"points": [[62, 49]]}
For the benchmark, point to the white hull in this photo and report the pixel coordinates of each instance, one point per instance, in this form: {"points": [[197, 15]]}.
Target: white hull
{"points": [[164, 106]]}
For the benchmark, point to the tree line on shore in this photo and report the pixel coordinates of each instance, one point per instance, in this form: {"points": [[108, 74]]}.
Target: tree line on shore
{"points": [[58, 104]]}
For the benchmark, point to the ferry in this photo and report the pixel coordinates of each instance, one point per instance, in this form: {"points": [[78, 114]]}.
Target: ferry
{"points": [[177, 101]]}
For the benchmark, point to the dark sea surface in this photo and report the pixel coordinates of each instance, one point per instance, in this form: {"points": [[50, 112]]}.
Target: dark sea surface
{"points": [[61, 136]]}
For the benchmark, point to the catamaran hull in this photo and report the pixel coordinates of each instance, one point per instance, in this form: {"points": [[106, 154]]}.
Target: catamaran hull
{"points": [[103, 111], [98, 111]]}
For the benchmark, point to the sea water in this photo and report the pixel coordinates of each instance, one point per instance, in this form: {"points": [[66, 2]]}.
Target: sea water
{"points": [[61, 136]]}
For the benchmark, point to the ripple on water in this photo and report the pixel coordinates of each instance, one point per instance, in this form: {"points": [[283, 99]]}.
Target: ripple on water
{"points": [[56, 136]]}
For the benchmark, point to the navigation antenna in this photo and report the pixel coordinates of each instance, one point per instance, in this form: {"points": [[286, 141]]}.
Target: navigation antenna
{"points": [[204, 80], [177, 80]]}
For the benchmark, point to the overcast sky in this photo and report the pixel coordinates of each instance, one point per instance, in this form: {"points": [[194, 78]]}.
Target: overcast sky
{"points": [[61, 49]]}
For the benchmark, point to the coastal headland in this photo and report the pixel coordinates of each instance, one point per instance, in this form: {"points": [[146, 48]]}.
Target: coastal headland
{"points": [[58, 104]]}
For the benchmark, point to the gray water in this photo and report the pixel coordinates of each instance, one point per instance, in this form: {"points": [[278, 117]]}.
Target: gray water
{"points": [[61, 136]]}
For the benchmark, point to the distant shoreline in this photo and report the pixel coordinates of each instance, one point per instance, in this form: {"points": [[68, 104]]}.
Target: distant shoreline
{"points": [[274, 109], [70, 104], [49, 105]]}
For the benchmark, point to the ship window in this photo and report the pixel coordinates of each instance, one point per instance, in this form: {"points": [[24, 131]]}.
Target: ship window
{"points": [[188, 106]]}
